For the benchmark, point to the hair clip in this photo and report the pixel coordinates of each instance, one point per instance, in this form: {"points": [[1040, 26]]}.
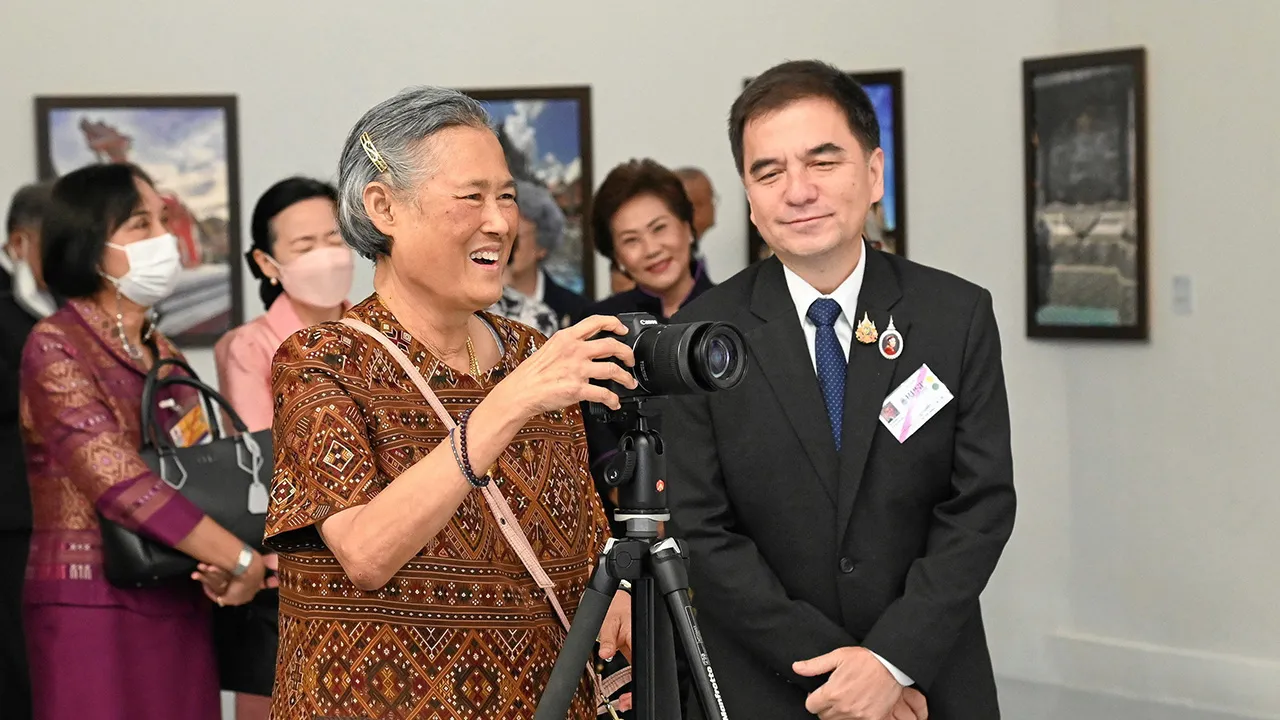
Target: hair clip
{"points": [[375, 157]]}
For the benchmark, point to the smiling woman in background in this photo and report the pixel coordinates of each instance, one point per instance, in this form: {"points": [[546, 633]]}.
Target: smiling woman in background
{"points": [[642, 221]]}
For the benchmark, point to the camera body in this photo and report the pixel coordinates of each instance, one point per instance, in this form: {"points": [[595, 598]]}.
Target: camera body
{"points": [[678, 359]]}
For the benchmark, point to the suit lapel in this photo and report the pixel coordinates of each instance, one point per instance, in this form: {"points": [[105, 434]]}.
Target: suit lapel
{"points": [[780, 348], [867, 380]]}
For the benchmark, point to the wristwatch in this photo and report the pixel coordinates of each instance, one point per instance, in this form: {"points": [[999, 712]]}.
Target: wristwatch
{"points": [[243, 562]]}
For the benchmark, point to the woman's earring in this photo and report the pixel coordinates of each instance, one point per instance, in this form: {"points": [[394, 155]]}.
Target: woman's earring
{"points": [[275, 281]]}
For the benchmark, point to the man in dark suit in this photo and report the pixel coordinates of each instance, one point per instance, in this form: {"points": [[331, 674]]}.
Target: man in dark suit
{"points": [[22, 303], [836, 558]]}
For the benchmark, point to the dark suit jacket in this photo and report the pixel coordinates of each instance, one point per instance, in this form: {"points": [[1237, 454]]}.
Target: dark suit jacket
{"points": [[796, 550], [15, 326], [569, 306]]}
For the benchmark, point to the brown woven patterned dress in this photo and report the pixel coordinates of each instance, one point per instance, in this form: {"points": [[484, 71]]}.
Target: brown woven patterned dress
{"points": [[462, 631]]}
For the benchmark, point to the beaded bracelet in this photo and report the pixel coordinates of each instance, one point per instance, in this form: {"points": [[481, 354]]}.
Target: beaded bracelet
{"points": [[463, 460]]}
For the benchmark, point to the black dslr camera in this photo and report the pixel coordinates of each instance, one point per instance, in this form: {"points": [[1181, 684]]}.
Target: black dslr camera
{"points": [[675, 359]]}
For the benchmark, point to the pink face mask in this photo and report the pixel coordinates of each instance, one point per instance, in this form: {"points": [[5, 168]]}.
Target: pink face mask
{"points": [[320, 278]]}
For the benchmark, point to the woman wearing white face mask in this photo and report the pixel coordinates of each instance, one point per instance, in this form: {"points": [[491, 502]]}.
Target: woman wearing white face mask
{"points": [[305, 271], [98, 651]]}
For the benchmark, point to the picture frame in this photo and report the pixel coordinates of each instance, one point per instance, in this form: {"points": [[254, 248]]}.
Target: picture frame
{"points": [[546, 134], [887, 227], [189, 146], [1085, 147]]}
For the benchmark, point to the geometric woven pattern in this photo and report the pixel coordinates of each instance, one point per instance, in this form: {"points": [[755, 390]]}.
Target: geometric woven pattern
{"points": [[462, 631], [81, 412]]}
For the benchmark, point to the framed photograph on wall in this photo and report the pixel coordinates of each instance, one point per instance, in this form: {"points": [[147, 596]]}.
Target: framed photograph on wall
{"points": [[886, 226], [188, 146], [546, 134], [1085, 146]]}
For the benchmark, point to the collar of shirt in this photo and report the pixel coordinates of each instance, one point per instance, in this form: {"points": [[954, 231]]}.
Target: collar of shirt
{"points": [[540, 288], [803, 294]]}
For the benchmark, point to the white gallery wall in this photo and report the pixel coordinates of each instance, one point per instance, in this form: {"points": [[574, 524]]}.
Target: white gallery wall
{"points": [[1146, 471], [1173, 452]]}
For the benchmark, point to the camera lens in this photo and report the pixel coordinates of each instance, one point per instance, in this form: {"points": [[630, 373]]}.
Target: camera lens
{"points": [[718, 358], [690, 357]]}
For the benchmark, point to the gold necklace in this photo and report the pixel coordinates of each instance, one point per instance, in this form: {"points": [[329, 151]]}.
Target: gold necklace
{"points": [[475, 362]]}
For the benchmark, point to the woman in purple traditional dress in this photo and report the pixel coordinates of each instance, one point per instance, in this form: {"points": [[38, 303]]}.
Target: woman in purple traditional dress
{"points": [[99, 652]]}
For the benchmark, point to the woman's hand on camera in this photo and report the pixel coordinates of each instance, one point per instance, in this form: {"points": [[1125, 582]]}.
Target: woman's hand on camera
{"points": [[559, 374]]}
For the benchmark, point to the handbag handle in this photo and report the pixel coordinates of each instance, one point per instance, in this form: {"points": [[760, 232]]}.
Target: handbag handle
{"points": [[153, 383], [508, 524], [245, 444], [208, 395]]}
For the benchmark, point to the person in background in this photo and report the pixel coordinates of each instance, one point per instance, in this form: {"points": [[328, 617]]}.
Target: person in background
{"points": [[540, 227], [98, 651], [515, 305], [619, 282], [304, 271], [703, 196], [23, 301], [642, 221], [542, 230]]}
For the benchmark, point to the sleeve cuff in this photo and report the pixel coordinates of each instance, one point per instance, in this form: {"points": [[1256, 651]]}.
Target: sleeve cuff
{"points": [[146, 504], [902, 678]]}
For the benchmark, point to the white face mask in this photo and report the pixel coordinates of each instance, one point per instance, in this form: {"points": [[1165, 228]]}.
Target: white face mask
{"points": [[28, 294], [154, 265]]}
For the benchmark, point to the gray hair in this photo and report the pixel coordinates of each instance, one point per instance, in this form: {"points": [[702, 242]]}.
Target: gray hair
{"points": [[396, 128], [28, 206], [538, 205]]}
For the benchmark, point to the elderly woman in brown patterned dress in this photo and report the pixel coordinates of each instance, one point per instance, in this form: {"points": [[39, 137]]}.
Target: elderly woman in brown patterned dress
{"points": [[399, 595]]}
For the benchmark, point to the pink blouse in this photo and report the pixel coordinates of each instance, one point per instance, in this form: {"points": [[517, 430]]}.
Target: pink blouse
{"points": [[244, 355]]}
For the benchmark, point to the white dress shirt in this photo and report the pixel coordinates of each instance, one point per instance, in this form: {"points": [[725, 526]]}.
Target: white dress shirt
{"points": [[803, 294]]}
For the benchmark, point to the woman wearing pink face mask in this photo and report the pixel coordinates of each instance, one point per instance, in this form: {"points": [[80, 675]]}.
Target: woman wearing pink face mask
{"points": [[305, 272], [304, 268]]}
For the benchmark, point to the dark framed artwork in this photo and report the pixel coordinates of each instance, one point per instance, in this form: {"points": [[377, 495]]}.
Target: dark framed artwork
{"points": [[1086, 195], [546, 135], [189, 147], [886, 226]]}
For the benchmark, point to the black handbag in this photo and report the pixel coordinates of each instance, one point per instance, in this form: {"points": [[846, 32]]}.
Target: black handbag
{"points": [[226, 478]]}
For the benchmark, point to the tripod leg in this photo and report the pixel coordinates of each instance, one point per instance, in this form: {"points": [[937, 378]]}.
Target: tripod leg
{"points": [[672, 576], [578, 645], [653, 673], [643, 691]]}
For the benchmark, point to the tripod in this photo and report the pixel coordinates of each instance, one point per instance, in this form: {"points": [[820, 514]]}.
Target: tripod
{"points": [[638, 470]]}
